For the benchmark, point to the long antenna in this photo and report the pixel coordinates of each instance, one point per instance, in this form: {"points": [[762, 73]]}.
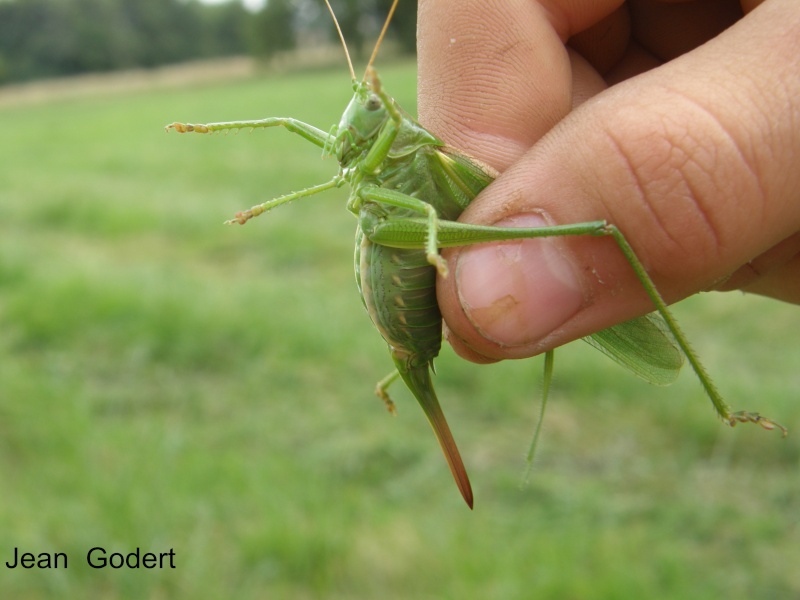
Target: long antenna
{"points": [[380, 37], [341, 37]]}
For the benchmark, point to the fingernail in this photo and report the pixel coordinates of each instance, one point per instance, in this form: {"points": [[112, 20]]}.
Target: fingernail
{"points": [[516, 293]]}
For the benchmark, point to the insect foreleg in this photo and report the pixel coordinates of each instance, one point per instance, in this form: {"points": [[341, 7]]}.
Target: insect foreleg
{"points": [[383, 143], [400, 200], [380, 148], [387, 100], [412, 233], [309, 132]]}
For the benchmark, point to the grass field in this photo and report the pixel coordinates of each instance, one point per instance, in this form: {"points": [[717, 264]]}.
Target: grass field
{"points": [[168, 382]]}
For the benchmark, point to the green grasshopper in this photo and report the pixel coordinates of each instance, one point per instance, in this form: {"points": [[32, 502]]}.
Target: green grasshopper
{"points": [[407, 190]]}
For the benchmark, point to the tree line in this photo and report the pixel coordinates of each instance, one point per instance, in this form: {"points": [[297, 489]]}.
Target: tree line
{"points": [[49, 38]]}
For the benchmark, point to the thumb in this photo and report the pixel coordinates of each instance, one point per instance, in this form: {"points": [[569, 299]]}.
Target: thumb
{"points": [[697, 162]]}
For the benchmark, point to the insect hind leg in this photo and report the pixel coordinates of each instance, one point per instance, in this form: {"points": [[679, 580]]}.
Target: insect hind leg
{"points": [[410, 232], [723, 410]]}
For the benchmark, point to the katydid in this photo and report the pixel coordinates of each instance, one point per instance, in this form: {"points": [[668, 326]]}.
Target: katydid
{"points": [[407, 190]]}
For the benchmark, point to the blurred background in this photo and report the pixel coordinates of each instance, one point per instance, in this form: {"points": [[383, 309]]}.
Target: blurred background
{"points": [[167, 382], [50, 38]]}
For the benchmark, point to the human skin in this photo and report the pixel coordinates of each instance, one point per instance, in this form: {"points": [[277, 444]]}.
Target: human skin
{"points": [[679, 122]]}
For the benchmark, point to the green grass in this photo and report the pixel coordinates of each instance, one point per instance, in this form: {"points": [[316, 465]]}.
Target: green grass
{"points": [[167, 382]]}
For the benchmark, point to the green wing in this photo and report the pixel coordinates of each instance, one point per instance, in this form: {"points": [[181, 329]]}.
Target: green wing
{"points": [[458, 179], [644, 346]]}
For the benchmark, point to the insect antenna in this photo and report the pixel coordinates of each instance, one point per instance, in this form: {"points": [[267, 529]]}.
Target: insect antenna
{"points": [[380, 37], [341, 37]]}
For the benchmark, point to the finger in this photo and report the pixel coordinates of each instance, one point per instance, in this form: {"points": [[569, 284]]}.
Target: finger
{"points": [[781, 282], [475, 65], [696, 162], [669, 29], [775, 273], [642, 34], [494, 75]]}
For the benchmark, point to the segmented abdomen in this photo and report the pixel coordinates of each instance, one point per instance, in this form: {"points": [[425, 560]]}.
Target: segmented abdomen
{"points": [[399, 291]]}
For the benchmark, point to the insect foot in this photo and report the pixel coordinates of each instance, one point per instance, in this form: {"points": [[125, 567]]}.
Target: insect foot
{"points": [[186, 128], [380, 392], [743, 416], [241, 217]]}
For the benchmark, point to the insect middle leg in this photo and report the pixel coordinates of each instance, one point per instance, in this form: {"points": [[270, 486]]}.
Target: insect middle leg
{"points": [[400, 200], [382, 393]]}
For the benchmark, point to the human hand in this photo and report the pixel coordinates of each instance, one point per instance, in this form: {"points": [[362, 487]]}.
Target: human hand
{"points": [[693, 152]]}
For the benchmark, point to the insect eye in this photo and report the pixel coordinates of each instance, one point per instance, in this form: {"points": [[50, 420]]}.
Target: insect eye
{"points": [[373, 103]]}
